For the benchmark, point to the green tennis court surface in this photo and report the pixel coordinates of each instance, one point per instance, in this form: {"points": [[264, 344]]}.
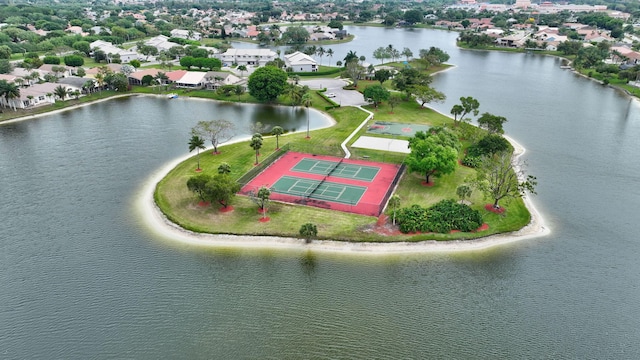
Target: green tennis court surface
{"points": [[339, 169], [400, 129], [315, 189]]}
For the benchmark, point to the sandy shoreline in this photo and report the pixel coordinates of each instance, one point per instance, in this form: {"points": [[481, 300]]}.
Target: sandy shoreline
{"points": [[156, 222]]}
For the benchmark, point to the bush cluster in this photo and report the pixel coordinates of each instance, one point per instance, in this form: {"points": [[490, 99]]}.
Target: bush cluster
{"points": [[442, 217]]}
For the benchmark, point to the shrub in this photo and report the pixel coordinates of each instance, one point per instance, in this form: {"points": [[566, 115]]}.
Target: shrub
{"points": [[411, 219], [442, 217], [471, 161], [489, 145]]}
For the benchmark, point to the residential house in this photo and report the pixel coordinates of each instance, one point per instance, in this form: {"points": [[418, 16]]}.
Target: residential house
{"points": [[247, 56], [76, 83], [517, 39], [300, 62], [216, 79], [135, 78], [91, 73], [35, 95], [161, 43], [192, 80], [174, 76], [186, 34], [110, 50], [73, 84]]}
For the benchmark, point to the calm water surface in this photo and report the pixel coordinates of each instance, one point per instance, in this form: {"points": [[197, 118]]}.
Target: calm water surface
{"points": [[82, 278]]}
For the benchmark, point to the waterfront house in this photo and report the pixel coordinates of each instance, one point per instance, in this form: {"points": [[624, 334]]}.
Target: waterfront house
{"points": [[247, 57]]}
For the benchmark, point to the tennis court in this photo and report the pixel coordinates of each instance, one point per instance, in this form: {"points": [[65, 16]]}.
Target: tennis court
{"points": [[337, 169], [320, 190], [399, 129], [351, 185]]}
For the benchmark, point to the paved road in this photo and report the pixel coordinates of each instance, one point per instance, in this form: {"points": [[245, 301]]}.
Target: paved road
{"points": [[343, 97]]}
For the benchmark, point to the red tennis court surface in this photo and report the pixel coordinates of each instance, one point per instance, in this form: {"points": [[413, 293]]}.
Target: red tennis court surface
{"points": [[323, 178]]}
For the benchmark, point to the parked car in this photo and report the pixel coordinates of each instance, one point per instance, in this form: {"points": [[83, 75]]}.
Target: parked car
{"points": [[331, 95]]}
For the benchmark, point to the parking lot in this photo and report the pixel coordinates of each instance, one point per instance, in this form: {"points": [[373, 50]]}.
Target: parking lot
{"points": [[334, 86]]}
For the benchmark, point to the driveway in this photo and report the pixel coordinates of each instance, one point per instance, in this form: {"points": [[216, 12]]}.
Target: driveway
{"points": [[343, 97]]}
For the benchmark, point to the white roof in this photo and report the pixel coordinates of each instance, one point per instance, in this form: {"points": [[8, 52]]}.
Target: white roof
{"points": [[192, 77], [298, 58], [249, 52]]}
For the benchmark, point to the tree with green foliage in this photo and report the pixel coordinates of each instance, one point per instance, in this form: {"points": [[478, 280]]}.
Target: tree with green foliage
{"points": [[5, 52], [295, 35], [261, 198], [267, 83], [277, 131], [9, 91], [406, 78], [82, 46], [5, 66], [393, 101], [426, 94], [382, 75], [224, 168], [238, 90], [351, 57], [73, 60], [394, 203], [492, 123], [376, 94], [413, 16], [256, 145], [61, 92], [221, 189], [489, 145], [135, 63], [335, 24], [468, 105], [197, 184], [52, 60], [407, 53], [216, 131], [196, 143], [354, 71], [242, 69], [308, 232], [499, 177], [381, 53], [463, 191], [432, 154]]}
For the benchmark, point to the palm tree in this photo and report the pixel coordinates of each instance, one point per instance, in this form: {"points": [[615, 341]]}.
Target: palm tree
{"points": [[351, 56], [256, 144], [100, 80], [196, 143], [320, 52], [224, 168], [330, 55], [88, 86], [242, 69], [306, 101], [9, 91], [61, 92], [277, 131], [34, 76]]}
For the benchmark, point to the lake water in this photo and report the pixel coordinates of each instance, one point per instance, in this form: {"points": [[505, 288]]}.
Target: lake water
{"points": [[81, 277]]}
